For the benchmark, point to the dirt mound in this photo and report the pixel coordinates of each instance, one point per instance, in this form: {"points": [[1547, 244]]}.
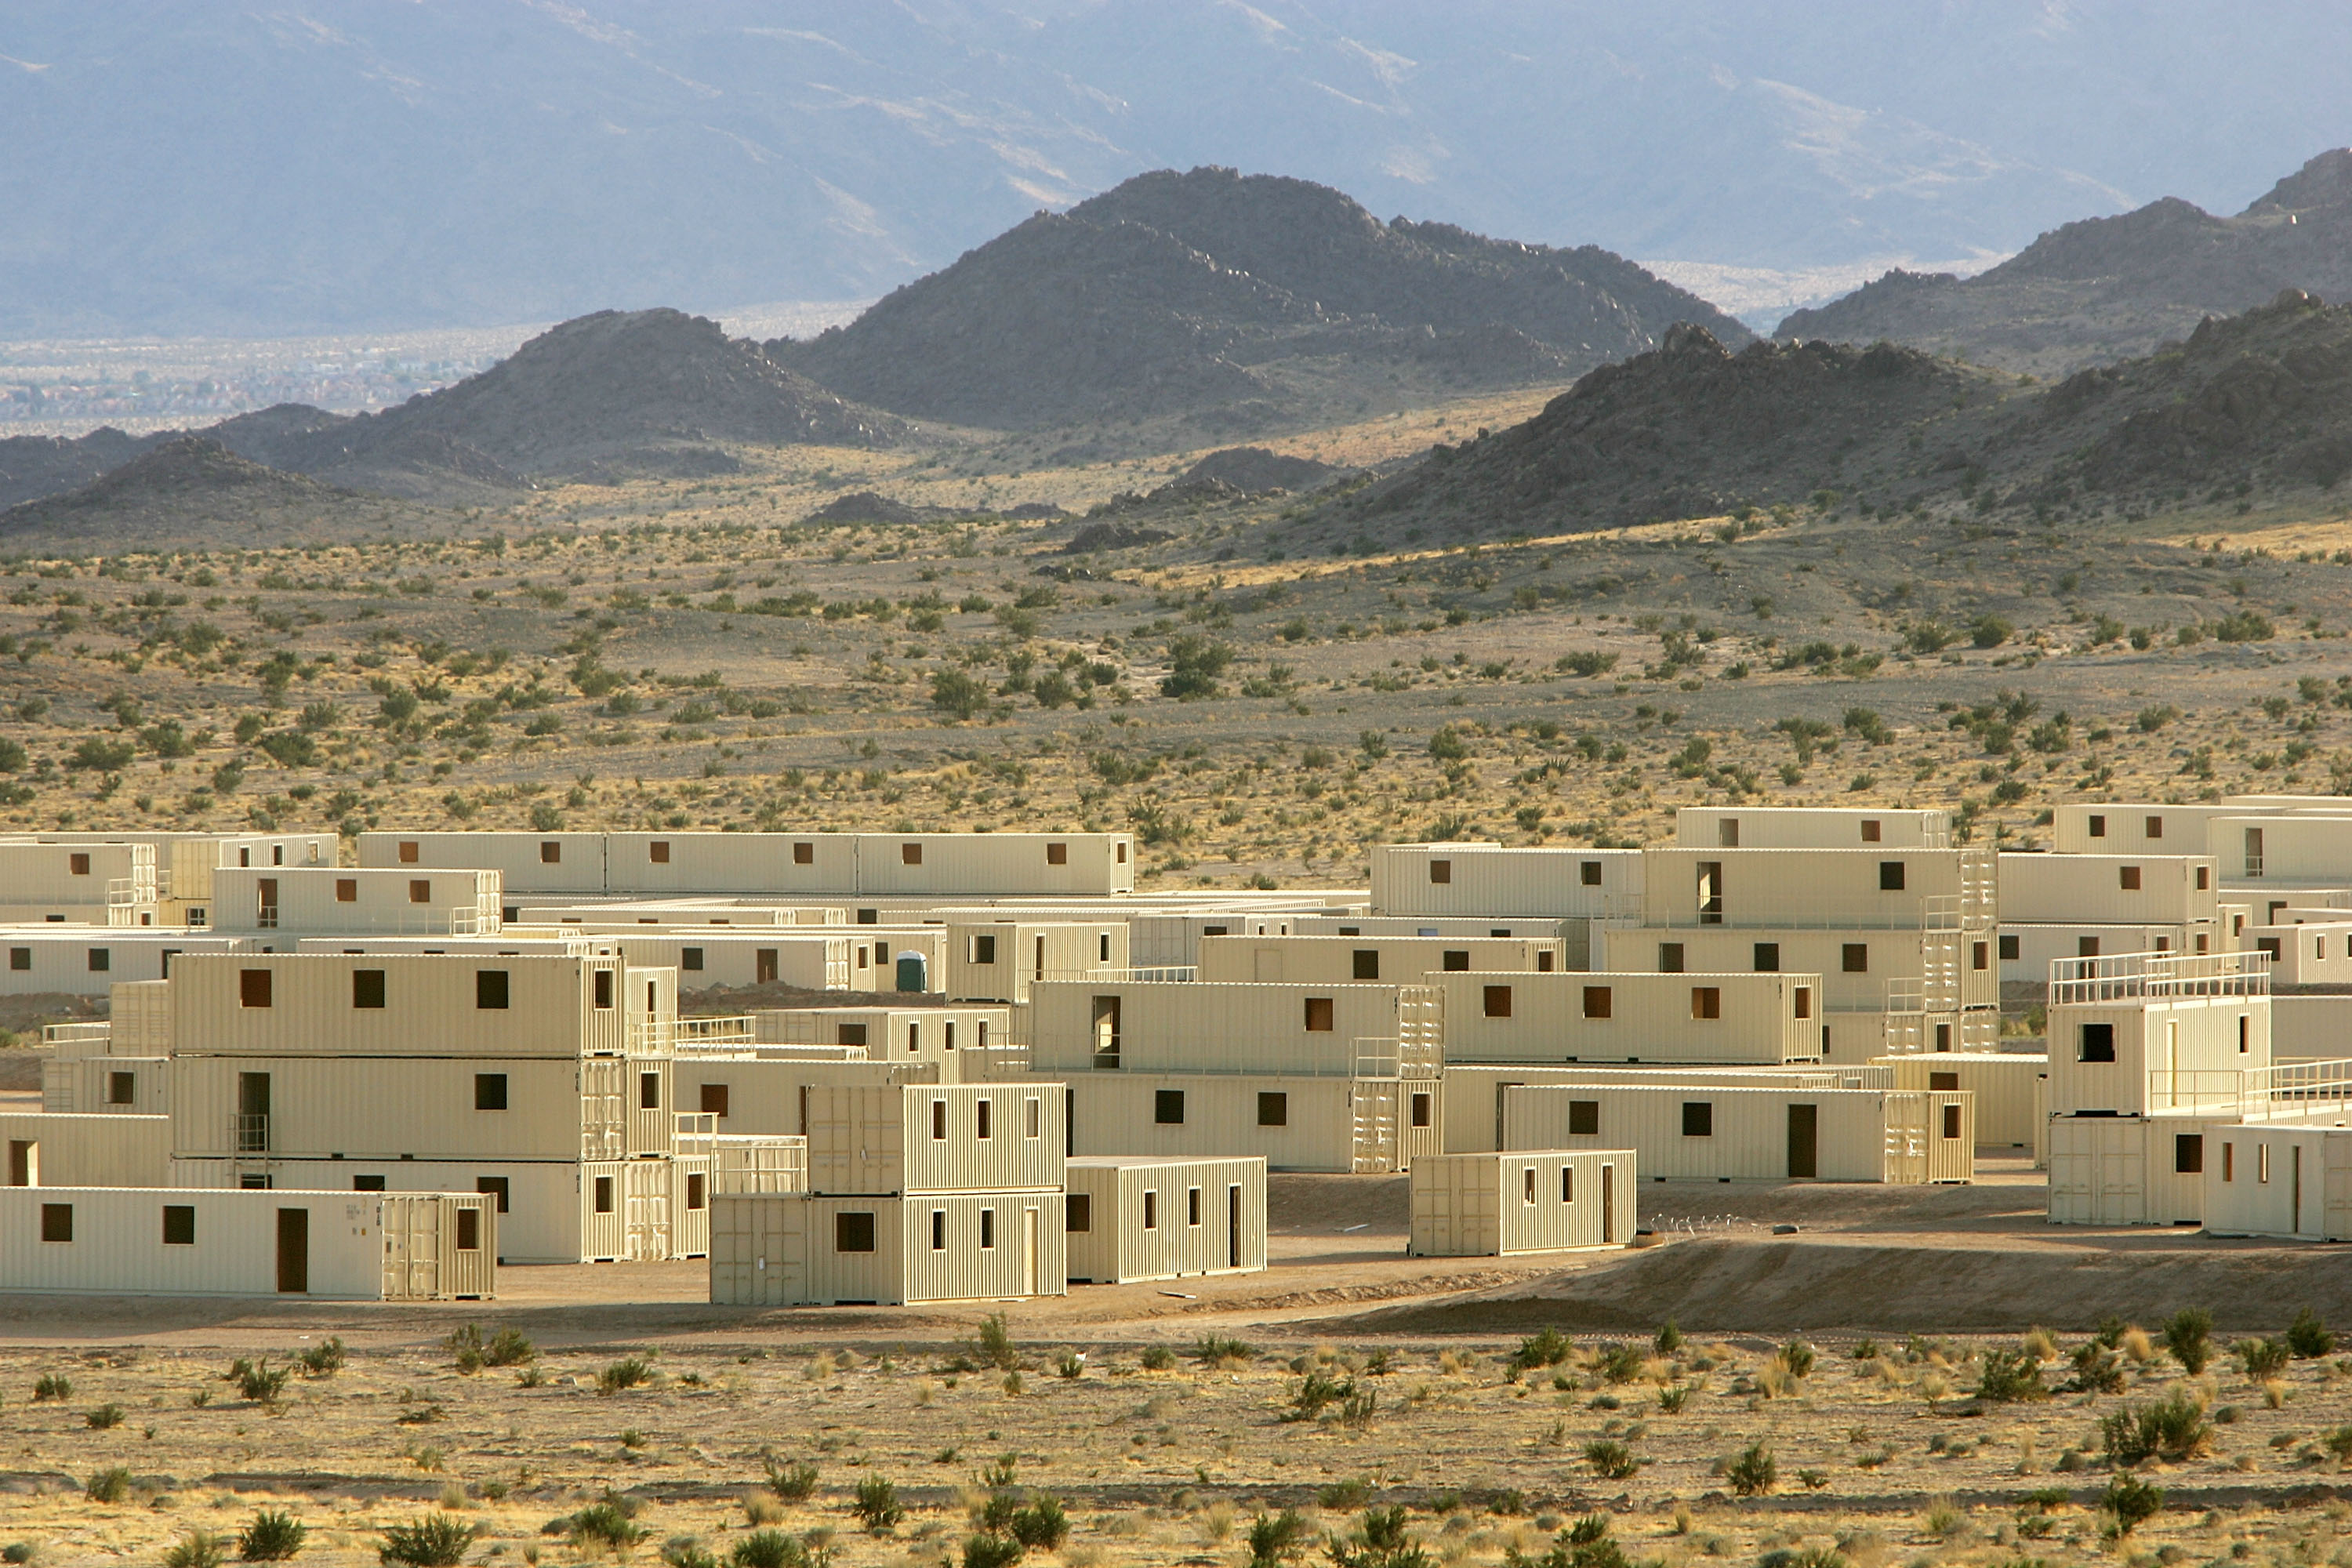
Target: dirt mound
{"points": [[867, 506], [191, 492], [2259, 403], [2107, 289], [1783, 1285], [1257, 470], [1236, 302]]}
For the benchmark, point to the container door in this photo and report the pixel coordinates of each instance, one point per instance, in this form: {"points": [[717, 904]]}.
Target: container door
{"points": [[1608, 1206], [252, 1113], [763, 970], [293, 1252], [2295, 1182], [1500, 1089], [1233, 1227], [1029, 1252], [2116, 1192], [24, 1162], [1804, 1140]]}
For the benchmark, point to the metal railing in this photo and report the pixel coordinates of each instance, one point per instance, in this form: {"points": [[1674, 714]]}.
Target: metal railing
{"points": [[1112, 975], [2284, 1091], [2134, 976], [248, 1132], [94, 1033], [656, 1037]]}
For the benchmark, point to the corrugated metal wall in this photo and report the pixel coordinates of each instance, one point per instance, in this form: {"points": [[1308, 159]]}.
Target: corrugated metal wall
{"points": [[1340, 960], [543, 1222], [2090, 889], [85, 1150], [1754, 1134], [1631, 1018], [1485, 1206], [1812, 827], [2011, 1091], [1475, 879], [1201, 1216], [2307, 1195], [431, 1006]]}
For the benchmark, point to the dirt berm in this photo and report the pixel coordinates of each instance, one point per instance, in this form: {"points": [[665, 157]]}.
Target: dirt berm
{"points": [[1786, 1284]]}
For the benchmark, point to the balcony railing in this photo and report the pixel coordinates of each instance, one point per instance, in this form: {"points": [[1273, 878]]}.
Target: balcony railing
{"points": [[249, 1132], [99, 1034], [2284, 1091], [2135, 976]]}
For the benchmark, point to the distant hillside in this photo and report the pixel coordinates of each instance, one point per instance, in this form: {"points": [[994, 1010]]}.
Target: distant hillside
{"points": [[189, 492], [2107, 289], [2260, 402], [1235, 303]]}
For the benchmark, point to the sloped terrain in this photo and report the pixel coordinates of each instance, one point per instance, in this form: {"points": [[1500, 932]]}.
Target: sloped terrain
{"points": [[1256, 469], [2107, 289], [194, 492], [2260, 402], [1235, 303], [36, 465]]}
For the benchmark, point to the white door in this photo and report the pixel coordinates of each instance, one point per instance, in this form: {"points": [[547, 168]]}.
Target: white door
{"points": [[1029, 1252]]}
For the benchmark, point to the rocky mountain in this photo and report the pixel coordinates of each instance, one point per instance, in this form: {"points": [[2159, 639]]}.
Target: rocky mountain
{"points": [[2111, 288], [35, 466], [2259, 403], [1232, 302]]}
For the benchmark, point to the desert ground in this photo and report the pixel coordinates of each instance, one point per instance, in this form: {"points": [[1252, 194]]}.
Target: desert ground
{"points": [[1496, 1401]]}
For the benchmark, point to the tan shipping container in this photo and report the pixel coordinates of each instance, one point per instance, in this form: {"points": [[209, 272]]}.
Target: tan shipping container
{"points": [[1865, 889], [459, 1004], [788, 1251], [888, 1138], [1716, 1133], [410, 901], [2305, 953], [2142, 1033], [330, 1245], [2093, 827], [88, 960], [36, 872], [2012, 1090], [85, 1150], [887, 1034], [106, 1086], [1343, 960], [2132, 1170], [748, 863], [2028, 951], [762, 1095], [527, 863], [998, 961], [1131, 1217], [1687, 1018], [1345, 1031], [2293, 1183], [470, 1108], [995, 864], [1493, 1205], [1812, 827], [1487, 879], [1474, 1091], [1293, 1123], [2109, 890], [2311, 1028]]}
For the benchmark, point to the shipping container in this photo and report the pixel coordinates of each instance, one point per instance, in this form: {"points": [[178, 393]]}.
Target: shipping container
{"points": [[326, 1246], [139, 1018], [995, 864], [737, 1165], [550, 1211], [1472, 1102], [811, 960], [1489, 880], [1493, 1205], [2012, 1090], [2090, 827], [791, 1251], [185, 862], [2110, 889], [1343, 1031], [1866, 889], [1755, 1134], [998, 961], [1812, 827], [2131, 1169], [1331, 1124], [2311, 1028], [902, 959], [887, 1034], [298, 900], [527, 863], [1882, 991], [36, 872], [382, 1004], [2147, 1032], [1689, 1017], [2304, 954], [2293, 1183], [85, 1150], [387, 1108], [84, 961], [762, 1094], [1130, 1217], [2027, 952], [652, 864], [871, 1138], [105, 1085], [2258, 853], [1334, 960]]}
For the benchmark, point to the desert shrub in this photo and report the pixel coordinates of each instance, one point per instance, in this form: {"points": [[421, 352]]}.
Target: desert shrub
{"points": [[1803, 1557], [1672, 1400], [2263, 1359], [1548, 1348], [2172, 1428], [1278, 1538], [687, 1551], [1800, 1357], [1357, 1410], [197, 1549], [769, 1549], [1990, 631], [1220, 1349], [111, 1484], [436, 1541], [606, 1523], [2189, 1335], [2309, 1337], [1318, 1390], [1340, 1496], [1585, 1543], [1669, 1339], [1621, 1363], [626, 1374], [2097, 1370], [1157, 1358], [1379, 1541], [1753, 1471], [322, 1360], [986, 1550], [1070, 1365], [258, 1381], [270, 1537], [105, 1418], [2132, 1501], [994, 1345], [878, 1505], [2009, 1376], [793, 1482], [1611, 1460], [52, 1385], [1043, 1523]]}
